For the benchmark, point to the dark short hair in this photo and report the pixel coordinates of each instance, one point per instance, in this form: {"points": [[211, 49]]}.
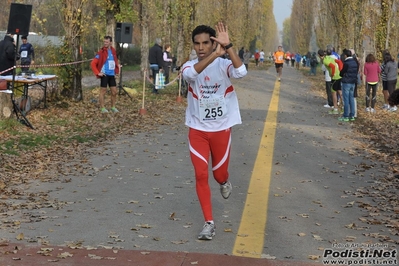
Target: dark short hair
{"points": [[24, 37], [321, 52], [388, 57], [347, 52], [203, 29], [107, 37]]}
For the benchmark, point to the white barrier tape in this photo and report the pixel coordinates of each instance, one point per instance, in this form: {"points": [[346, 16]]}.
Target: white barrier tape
{"points": [[170, 83], [48, 65], [11, 68]]}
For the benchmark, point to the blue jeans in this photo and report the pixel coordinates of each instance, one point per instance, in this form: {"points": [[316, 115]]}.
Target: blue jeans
{"points": [[312, 70], [348, 90]]}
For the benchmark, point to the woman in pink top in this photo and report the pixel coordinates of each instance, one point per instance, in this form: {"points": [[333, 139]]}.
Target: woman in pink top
{"points": [[371, 72]]}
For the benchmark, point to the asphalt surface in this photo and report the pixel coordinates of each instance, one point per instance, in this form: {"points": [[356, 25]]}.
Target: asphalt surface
{"points": [[135, 202]]}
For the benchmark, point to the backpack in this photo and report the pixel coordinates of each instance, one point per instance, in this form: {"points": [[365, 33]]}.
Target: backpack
{"points": [[313, 62], [340, 64]]}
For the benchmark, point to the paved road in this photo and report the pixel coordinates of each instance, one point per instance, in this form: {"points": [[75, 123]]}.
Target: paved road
{"points": [[137, 194]]}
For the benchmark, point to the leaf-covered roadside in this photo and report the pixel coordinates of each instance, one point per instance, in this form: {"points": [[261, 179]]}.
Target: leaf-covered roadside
{"points": [[64, 133], [376, 138]]}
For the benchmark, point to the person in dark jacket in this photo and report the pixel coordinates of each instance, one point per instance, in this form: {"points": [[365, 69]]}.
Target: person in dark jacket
{"points": [[349, 79], [155, 58], [7, 54], [241, 54]]}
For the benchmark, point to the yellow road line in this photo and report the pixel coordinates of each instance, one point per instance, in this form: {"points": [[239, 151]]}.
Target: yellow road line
{"points": [[251, 233]]}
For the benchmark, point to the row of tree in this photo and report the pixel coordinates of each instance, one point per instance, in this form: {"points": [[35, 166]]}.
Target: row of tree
{"points": [[367, 26], [83, 23]]}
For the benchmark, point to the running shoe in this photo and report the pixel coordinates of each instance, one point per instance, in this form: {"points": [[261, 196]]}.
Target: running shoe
{"points": [[393, 109], [352, 119], [225, 189], [334, 112], [386, 106], [208, 231], [368, 109], [372, 110], [104, 110], [343, 119], [114, 110], [327, 106]]}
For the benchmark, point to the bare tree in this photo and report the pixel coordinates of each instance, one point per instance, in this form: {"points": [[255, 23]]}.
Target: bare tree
{"points": [[72, 11]]}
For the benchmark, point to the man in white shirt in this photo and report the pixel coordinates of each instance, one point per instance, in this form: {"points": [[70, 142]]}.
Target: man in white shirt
{"points": [[211, 112]]}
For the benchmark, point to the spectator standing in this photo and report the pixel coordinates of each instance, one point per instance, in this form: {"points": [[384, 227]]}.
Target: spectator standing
{"points": [[293, 59], [384, 82], [167, 58], [349, 79], [287, 58], [298, 59], [257, 56], [27, 53], [155, 58], [313, 64], [212, 109], [241, 53], [247, 57], [7, 54], [305, 61], [358, 78], [371, 72], [105, 66], [327, 77], [308, 56], [391, 72], [333, 67]]}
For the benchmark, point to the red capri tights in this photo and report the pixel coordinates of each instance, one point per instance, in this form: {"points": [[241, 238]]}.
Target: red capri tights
{"points": [[203, 144]]}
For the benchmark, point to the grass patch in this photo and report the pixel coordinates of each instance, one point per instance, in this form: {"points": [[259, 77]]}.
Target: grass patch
{"points": [[9, 125], [26, 142], [84, 139], [33, 140]]}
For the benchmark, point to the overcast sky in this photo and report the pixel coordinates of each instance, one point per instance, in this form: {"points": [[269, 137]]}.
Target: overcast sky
{"points": [[281, 10]]}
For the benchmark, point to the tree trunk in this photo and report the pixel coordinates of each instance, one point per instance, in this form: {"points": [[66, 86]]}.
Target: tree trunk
{"points": [[180, 45], [72, 18], [6, 108], [165, 22], [77, 91], [144, 40]]}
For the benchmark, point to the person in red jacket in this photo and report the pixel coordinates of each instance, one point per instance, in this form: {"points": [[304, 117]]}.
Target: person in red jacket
{"points": [[257, 56], [105, 66]]}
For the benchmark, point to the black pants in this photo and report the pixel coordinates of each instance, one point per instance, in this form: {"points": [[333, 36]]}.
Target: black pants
{"points": [[373, 89], [166, 71], [329, 93]]}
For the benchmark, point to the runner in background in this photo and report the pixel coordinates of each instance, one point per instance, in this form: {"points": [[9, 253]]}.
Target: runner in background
{"points": [[278, 57], [27, 53]]}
